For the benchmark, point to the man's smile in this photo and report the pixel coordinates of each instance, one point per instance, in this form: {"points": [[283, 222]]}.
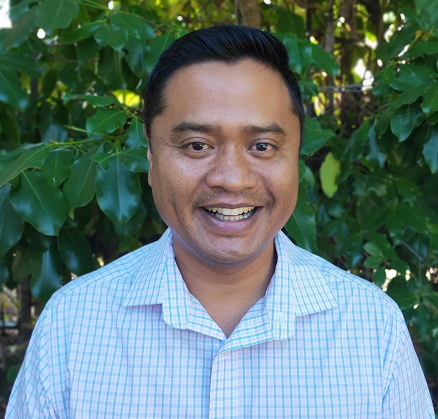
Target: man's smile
{"points": [[231, 214]]}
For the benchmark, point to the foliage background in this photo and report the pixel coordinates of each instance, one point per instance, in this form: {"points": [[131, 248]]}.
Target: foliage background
{"points": [[73, 168]]}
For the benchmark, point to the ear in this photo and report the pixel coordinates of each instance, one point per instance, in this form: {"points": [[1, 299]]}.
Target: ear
{"points": [[149, 157]]}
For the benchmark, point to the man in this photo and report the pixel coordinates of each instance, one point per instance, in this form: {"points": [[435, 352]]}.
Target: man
{"points": [[223, 317]]}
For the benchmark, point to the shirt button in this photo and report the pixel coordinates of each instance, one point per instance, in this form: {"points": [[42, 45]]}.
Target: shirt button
{"points": [[226, 354]]}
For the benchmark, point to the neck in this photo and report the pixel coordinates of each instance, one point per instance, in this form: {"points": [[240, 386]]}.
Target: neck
{"points": [[227, 293]]}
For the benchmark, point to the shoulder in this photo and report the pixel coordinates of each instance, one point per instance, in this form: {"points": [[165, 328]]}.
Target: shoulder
{"points": [[111, 282], [352, 293]]}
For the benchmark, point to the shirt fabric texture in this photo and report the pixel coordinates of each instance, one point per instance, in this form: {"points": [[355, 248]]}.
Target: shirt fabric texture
{"points": [[130, 341]]}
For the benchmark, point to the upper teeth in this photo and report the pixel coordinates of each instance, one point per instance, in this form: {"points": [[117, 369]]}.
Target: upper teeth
{"points": [[231, 211]]}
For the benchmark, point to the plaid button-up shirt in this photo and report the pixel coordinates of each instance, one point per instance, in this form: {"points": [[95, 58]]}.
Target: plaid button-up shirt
{"points": [[130, 341]]}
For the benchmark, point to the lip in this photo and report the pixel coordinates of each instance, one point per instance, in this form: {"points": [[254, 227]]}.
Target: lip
{"points": [[229, 206], [222, 227]]}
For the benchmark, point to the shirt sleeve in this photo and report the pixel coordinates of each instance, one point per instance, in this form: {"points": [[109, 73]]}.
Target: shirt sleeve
{"points": [[407, 395], [31, 393]]}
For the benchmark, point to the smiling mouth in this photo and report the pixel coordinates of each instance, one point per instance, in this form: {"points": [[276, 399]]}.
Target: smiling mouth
{"points": [[231, 214]]}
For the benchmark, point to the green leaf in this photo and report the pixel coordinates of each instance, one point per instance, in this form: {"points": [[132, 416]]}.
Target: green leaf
{"points": [[136, 58], [17, 61], [375, 158], [290, 22], [373, 262], [31, 158], [404, 297], [382, 123], [422, 47], [57, 166], [38, 203], [379, 277], [301, 225], [107, 35], [37, 240], [411, 76], [324, 60], [21, 30], [134, 136], [134, 25], [407, 98], [54, 133], [134, 224], [87, 49], [11, 91], [300, 53], [430, 150], [53, 14], [11, 225], [20, 267], [158, 45], [355, 146], [430, 101], [79, 188], [101, 101], [110, 68], [120, 201], [394, 222], [135, 159], [75, 251], [399, 41], [314, 136], [402, 122], [329, 171], [47, 273], [413, 218], [106, 121], [104, 159], [382, 82], [373, 249], [84, 32]]}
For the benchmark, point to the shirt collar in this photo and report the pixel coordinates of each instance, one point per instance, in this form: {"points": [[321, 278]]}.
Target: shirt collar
{"points": [[298, 287]]}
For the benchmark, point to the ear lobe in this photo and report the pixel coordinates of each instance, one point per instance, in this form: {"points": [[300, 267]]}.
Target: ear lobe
{"points": [[149, 157]]}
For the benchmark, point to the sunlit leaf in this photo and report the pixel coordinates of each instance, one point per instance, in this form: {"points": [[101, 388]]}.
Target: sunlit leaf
{"points": [[329, 171]]}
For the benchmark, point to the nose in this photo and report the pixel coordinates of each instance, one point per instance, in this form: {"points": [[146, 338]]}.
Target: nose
{"points": [[232, 170]]}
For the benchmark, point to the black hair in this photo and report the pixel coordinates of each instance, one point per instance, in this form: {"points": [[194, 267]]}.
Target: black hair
{"points": [[227, 44]]}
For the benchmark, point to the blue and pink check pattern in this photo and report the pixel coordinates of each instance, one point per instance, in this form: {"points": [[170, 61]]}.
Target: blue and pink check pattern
{"points": [[130, 341]]}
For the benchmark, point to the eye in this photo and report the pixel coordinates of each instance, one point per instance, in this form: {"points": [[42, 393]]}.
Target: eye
{"points": [[263, 147], [197, 146]]}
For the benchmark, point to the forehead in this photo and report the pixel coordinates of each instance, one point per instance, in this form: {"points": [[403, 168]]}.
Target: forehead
{"points": [[223, 91]]}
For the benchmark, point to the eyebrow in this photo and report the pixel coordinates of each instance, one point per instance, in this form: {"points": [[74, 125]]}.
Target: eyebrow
{"points": [[185, 126]]}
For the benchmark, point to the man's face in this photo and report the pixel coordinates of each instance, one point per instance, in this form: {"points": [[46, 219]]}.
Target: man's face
{"points": [[224, 166]]}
